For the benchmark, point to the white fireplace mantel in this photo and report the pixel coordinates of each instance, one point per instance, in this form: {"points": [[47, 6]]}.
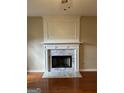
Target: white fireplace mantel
{"points": [[49, 47], [59, 43]]}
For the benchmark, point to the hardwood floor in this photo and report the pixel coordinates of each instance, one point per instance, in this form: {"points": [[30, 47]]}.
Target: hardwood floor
{"points": [[86, 84]]}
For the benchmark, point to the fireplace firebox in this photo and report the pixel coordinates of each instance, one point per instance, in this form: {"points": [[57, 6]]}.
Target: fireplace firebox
{"points": [[61, 61]]}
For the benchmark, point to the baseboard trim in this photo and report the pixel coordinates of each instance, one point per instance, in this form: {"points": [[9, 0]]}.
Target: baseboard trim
{"points": [[34, 71], [88, 70]]}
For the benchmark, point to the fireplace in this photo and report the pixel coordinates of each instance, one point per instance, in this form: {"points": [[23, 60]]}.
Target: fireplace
{"points": [[61, 43], [61, 61]]}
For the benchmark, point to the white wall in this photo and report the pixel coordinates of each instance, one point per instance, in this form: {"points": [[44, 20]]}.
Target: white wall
{"points": [[88, 34], [35, 50]]}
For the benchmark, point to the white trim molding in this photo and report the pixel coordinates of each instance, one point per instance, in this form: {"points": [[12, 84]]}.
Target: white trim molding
{"points": [[54, 28], [34, 71], [88, 70]]}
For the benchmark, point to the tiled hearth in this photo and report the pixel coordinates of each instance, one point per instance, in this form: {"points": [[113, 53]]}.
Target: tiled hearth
{"points": [[61, 74]]}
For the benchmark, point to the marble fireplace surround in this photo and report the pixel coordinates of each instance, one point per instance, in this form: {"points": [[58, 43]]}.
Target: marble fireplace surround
{"points": [[62, 49]]}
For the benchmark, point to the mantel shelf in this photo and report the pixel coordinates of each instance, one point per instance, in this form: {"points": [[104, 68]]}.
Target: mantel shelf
{"points": [[60, 43]]}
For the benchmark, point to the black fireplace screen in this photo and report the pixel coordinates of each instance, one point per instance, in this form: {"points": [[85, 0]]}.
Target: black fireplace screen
{"points": [[61, 61]]}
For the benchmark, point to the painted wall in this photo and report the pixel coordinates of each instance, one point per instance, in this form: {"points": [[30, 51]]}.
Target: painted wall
{"points": [[34, 37], [88, 34]]}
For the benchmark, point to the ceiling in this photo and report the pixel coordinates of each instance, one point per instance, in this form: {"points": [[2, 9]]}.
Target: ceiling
{"points": [[53, 7]]}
